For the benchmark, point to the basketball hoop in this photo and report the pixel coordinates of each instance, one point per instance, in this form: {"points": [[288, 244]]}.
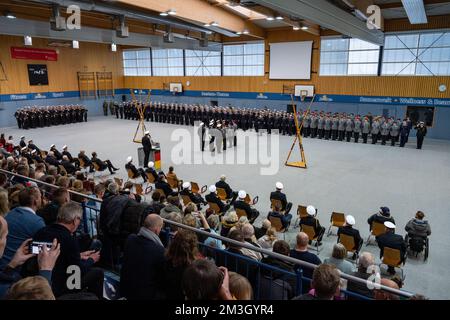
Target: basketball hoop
{"points": [[175, 91], [303, 95]]}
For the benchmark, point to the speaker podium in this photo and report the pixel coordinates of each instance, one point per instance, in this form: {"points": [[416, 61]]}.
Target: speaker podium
{"points": [[155, 156]]}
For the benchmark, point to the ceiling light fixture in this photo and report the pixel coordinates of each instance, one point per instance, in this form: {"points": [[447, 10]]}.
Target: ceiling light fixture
{"points": [[279, 18], [75, 44], [214, 24], [28, 41], [296, 28], [245, 32], [10, 15], [113, 47], [172, 12], [238, 33], [415, 9], [207, 25], [305, 28], [270, 18], [164, 14]]}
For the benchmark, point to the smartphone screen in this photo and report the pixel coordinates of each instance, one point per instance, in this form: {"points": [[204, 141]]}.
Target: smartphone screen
{"points": [[36, 247]]}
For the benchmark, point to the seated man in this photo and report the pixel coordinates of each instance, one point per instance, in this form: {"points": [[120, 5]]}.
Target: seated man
{"points": [[50, 212], [312, 221], [212, 197], [251, 213], [55, 151], [103, 164], [23, 222], [194, 197], [278, 195], [391, 240], [348, 229], [68, 220], [277, 213], [51, 159], [36, 156], [67, 153], [70, 168], [222, 184], [162, 184], [143, 262], [301, 253], [366, 263], [32, 146], [87, 162], [135, 171], [381, 217], [172, 175], [261, 232], [325, 282], [418, 227], [151, 169]]}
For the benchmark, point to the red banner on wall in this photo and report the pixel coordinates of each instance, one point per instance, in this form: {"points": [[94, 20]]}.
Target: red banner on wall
{"points": [[34, 54]]}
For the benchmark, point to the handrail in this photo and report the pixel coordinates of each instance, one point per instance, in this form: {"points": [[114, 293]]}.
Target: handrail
{"points": [[240, 244]]}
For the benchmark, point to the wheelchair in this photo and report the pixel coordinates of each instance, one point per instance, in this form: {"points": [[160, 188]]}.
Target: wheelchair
{"points": [[416, 245]]}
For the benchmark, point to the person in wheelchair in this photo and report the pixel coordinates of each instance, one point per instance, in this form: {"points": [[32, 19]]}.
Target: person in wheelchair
{"points": [[417, 227]]}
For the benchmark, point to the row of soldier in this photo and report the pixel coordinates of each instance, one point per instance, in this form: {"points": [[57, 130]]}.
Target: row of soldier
{"points": [[38, 117], [316, 124]]}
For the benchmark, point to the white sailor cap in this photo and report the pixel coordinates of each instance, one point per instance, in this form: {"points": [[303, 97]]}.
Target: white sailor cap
{"points": [[212, 188], [150, 164], [147, 132], [389, 225], [64, 147], [186, 185], [52, 146], [350, 220], [311, 210], [279, 186], [129, 159], [242, 194]]}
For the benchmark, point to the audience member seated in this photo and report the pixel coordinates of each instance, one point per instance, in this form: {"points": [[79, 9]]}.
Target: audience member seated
{"points": [[301, 253], [162, 184], [391, 240], [151, 169], [182, 251], [23, 171], [172, 175], [156, 203], [229, 220], [91, 214], [381, 217], [276, 285], [143, 262], [51, 159], [4, 202], [380, 294], [312, 221], [278, 213], [279, 195], [194, 197], [267, 241], [31, 288], [55, 151], [251, 213], [68, 220], [10, 273], [66, 152], [214, 223], [203, 280], [365, 267], [262, 231], [348, 229], [87, 162], [49, 213], [173, 205], [68, 166], [212, 197], [23, 222], [223, 185], [135, 171], [240, 287], [325, 282], [103, 164], [249, 237], [338, 259], [418, 227]]}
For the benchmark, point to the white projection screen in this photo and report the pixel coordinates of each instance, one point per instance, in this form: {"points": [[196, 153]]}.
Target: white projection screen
{"points": [[291, 60]]}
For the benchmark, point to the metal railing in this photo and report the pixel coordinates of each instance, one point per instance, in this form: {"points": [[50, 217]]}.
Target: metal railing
{"points": [[301, 264]]}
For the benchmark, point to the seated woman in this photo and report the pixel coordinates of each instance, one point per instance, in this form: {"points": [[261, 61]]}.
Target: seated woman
{"points": [[103, 164], [338, 259]]}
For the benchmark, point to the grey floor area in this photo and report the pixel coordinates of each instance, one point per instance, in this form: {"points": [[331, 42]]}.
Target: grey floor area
{"points": [[346, 177]]}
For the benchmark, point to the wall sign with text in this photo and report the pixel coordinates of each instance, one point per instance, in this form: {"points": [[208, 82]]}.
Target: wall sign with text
{"points": [[34, 54], [37, 74]]}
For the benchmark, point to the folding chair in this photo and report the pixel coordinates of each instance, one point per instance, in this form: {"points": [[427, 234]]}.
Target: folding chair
{"points": [[349, 243], [309, 230], [222, 194], [62, 170], [186, 199], [278, 225], [150, 181], [214, 207], [275, 202], [130, 175], [83, 165], [174, 184], [241, 213], [301, 213], [118, 181], [196, 189], [377, 229], [393, 258], [139, 189], [161, 192], [337, 220], [251, 201]]}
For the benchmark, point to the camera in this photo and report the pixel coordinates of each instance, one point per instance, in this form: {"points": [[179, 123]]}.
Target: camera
{"points": [[36, 247]]}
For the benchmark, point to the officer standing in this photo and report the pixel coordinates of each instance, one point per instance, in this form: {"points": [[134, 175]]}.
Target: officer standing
{"points": [[334, 127], [147, 145], [313, 125], [385, 128], [365, 129], [375, 130], [327, 127], [341, 128], [349, 128], [357, 129], [395, 128], [105, 108], [420, 134], [320, 125]]}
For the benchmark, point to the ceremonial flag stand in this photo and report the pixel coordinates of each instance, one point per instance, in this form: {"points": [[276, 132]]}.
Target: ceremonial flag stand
{"points": [[298, 137], [141, 112]]}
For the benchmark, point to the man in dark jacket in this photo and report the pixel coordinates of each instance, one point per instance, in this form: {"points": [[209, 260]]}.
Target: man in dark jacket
{"points": [[194, 197], [312, 221], [279, 195], [420, 134], [381, 217], [151, 169], [147, 145], [51, 159], [135, 171], [366, 265], [223, 185], [391, 240], [212, 197], [162, 184], [277, 212], [87, 162], [70, 168], [143, 262], [50, 212], [251, 213], [55, 151], [32, 146], [348, 230], [70, 258], [103, 164]]}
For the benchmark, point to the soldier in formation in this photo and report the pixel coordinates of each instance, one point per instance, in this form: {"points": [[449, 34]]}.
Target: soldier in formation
{"points": [[38, 117]]}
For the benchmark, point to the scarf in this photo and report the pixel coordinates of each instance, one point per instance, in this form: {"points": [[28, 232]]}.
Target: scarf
{"points": [[150, 235]]}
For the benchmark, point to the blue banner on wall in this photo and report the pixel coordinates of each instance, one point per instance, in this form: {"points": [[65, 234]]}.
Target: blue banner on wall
{"points": [[411, 101]]}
